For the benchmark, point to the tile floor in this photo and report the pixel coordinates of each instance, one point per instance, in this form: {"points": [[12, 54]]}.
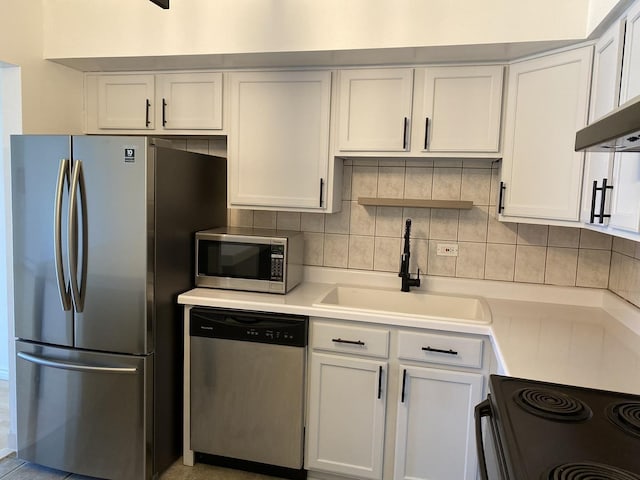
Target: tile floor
{"points": [[14, 469]]}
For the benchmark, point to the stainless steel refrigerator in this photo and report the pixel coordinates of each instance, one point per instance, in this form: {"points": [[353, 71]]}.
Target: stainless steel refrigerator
{"points": [[103, 231]]}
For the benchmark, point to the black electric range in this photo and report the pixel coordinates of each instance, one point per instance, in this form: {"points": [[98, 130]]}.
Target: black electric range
{"points": [[547, 431]]}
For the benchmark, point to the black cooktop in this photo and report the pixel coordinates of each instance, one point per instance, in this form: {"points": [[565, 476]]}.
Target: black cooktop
{"points": [[551, 431]]}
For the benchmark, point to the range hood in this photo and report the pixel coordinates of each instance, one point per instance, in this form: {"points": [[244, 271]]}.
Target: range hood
{"points": [[618, 131]]}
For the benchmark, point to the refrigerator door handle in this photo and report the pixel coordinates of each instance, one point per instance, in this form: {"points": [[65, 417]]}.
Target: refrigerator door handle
{"points": [[77, 185], [74, 366], [63, 286]]}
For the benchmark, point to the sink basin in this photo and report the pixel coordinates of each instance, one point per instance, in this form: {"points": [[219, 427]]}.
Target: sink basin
{"points": [[430, 306]]}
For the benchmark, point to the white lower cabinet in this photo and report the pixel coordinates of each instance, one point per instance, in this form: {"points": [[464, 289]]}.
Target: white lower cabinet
{"points": [[423, 385], [435, 425], [346, 415]]}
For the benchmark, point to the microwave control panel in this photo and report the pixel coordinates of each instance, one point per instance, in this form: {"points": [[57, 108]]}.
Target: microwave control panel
{"points": [[277, 263]]}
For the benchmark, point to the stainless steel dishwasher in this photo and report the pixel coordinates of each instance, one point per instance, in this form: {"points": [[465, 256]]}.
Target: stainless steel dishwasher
{"points": [[248, 387]]}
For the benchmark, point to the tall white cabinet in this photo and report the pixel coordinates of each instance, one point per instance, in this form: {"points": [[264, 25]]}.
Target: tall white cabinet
{"points": [[279, 140], [547, 103], [625, 198], [611, 199]]}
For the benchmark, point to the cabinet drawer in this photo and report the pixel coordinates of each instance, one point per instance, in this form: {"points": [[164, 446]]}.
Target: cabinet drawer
{"points": [[373, 342], [445, 349]]}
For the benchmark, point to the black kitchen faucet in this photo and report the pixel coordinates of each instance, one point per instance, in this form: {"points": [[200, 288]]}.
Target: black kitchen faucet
{"points": [[407, 281]]}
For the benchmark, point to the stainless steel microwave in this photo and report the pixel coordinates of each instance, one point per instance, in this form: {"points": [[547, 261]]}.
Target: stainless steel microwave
{"points": [[252, 259]]}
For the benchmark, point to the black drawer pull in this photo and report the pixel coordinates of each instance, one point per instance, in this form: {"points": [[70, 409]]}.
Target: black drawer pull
{"points": [[404, 384], [438, 350], [351, 342]]}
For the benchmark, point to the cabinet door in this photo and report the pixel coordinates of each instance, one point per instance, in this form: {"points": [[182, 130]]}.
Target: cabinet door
{"points": [[374, 109], [345, 433], [279, 139], [547, 104], [605, 90], [126, 102], [625, 196], [631, 66], [190, 101], [435, 436], [461, 109]]}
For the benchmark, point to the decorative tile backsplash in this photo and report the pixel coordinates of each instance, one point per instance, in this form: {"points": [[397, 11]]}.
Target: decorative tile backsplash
{"points": [[371, 238]]}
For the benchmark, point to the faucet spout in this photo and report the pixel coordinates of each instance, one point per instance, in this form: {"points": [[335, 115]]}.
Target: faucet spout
{"points": [[407, 281]]}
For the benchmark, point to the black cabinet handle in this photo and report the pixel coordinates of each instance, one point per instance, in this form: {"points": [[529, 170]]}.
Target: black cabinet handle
{"points": [[404, 133], [379, 382], [404, 383], [350, 342], [603, 198], [501, 197], [321, 188], [164, 112], [148, 107], [426, 132], [592, 215], [438, 350]]}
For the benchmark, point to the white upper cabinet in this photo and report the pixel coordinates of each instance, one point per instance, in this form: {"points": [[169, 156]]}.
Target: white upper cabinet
{"points": [[611, 202], [625, 195], [631, 64], [125, 102], [547, 103], [190, 101], [461, 109], [605, 90], [175, 103], [279, 141], [451, 111], [374, 109]]}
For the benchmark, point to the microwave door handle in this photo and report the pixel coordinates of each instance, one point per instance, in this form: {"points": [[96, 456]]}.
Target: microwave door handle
{"points": [[63, 286], [482, 410], [77, 185]]}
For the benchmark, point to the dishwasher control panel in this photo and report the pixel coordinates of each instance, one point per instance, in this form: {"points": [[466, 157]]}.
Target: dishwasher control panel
{"points": [[247, 326]]}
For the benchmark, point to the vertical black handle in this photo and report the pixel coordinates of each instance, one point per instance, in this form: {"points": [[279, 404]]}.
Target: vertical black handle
{"points": [[482, 410], [404, 133], [501, 197], [148, 107], [603, 198], [164, 112], [321, 190], [379, 382], [404, 383], [592, 215], [426, 132]]}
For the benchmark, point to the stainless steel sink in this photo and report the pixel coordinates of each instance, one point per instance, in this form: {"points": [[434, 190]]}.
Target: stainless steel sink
{"points": [[415, 304]]}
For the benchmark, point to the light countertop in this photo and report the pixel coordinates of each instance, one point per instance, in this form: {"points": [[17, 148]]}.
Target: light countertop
{"points": [[578, 336]]}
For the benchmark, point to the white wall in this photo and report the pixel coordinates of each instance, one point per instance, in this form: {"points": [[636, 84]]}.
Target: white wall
{"points": [[81, 28], [51, 93]]}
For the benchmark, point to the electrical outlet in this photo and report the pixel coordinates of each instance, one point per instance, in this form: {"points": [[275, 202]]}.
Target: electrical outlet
{"points": [[447, 249]]}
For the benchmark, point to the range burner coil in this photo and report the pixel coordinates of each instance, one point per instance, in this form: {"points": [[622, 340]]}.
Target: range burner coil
{"points": [[552, 405], [626, 415], [589, 471]]}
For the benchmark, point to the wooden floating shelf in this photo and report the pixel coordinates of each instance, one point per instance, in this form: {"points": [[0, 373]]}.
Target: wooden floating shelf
{"points": [[415, 202]]}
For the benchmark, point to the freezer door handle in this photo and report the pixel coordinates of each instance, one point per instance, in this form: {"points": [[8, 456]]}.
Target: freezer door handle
{"points": [[63, 286], [80, 367], [77, 185]]}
